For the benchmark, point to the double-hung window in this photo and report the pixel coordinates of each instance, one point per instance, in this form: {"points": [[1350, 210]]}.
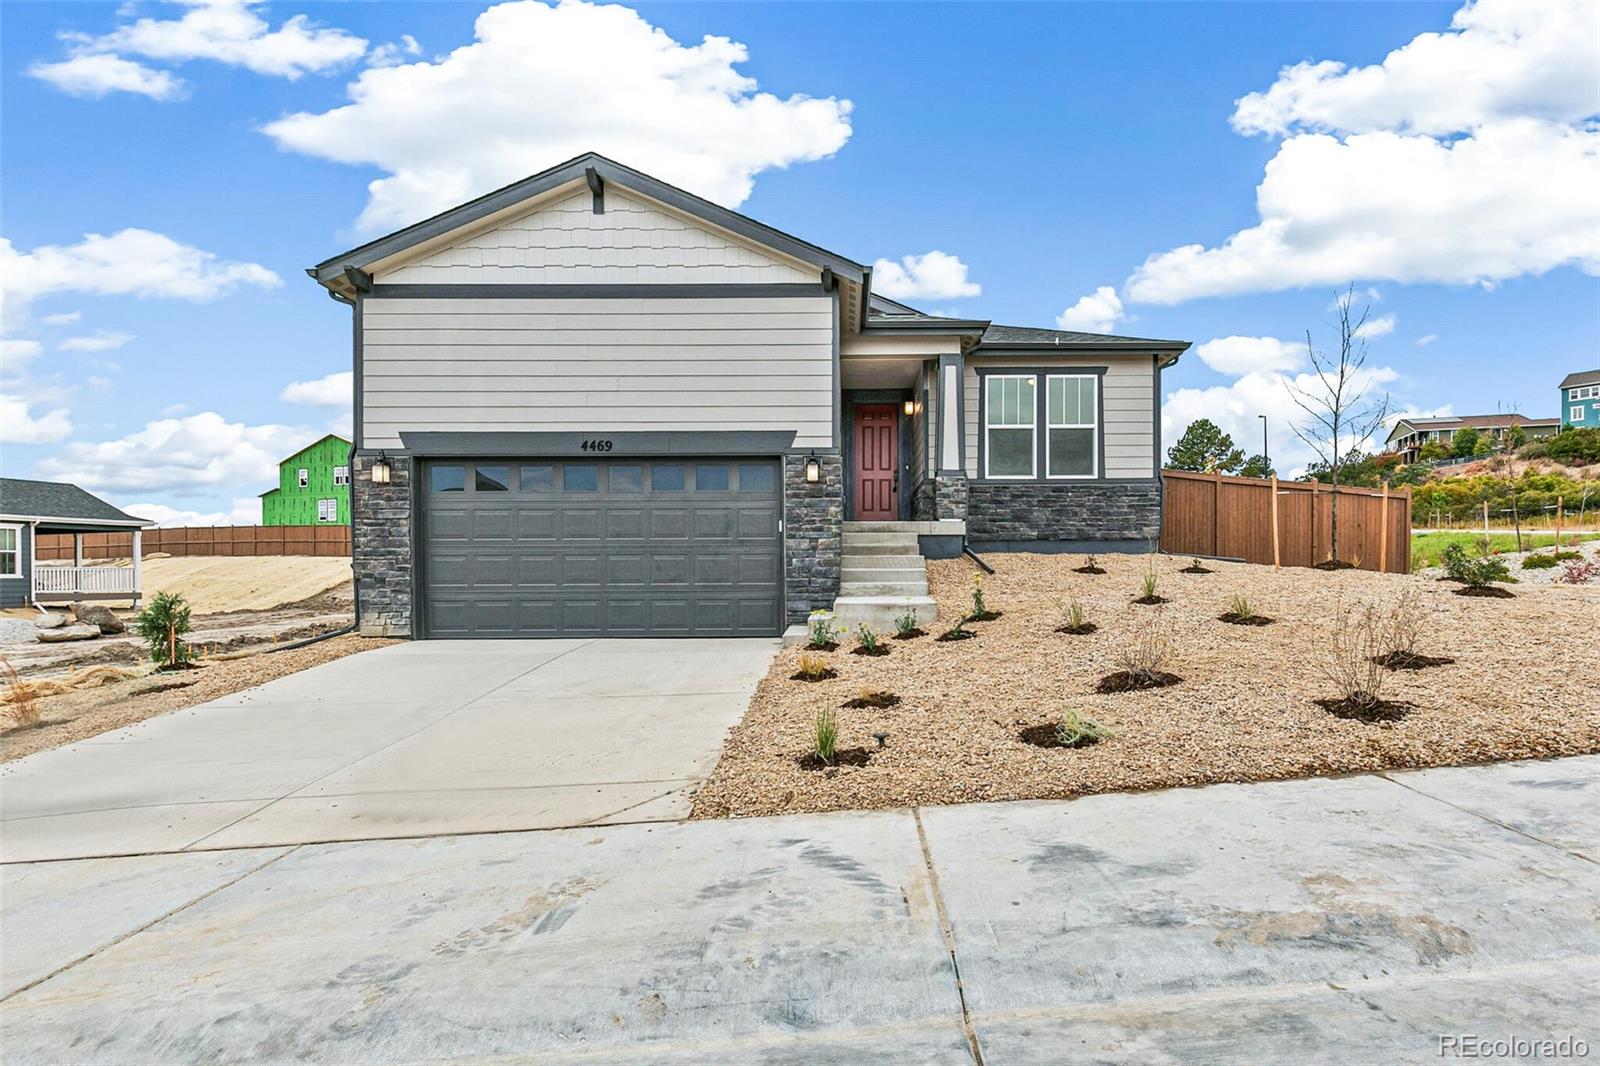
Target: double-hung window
{"points": [[304, 477], [1009, 421], [10, 551], [1071, 426], [341, 475]]}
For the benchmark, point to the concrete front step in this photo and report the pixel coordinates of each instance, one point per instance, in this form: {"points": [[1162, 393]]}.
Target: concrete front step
{"points": [[884, 561], [908, 546], [849, 578], [883, 588], [904, 541], [880, 611]]}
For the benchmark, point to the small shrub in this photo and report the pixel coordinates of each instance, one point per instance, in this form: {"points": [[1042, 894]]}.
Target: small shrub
{"points": [[1150, 651], [1091, 565], [1238, 608], [820, 623], [959, 631], [875, 699], [905, 624], [162, 625], [867, 637], [1484, 571], [825, 741], [1579, 573], [1076, 730], [1357, 640], [1542, 561], [812, 667], [978, 607], [22, 709]]}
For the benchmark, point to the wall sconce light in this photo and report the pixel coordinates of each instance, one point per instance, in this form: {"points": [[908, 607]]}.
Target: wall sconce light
{"points": [[813, 469], [910, 407], [380, 469]]}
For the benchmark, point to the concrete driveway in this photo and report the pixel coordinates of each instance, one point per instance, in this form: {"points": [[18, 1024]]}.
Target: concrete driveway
{"points": [[1354, 920], [410, 740]]}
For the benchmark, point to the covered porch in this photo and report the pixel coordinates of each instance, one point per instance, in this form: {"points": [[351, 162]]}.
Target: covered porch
{"points": [[37, 574], [69, 581]]}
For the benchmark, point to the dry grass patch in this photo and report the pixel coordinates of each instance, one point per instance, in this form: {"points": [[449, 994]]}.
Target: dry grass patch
{"points": [[1245, 711]]}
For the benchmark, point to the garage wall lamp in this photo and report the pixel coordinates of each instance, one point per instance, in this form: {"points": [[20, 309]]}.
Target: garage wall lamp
{"points": [[910, 407], [380, 469], [813, 469]]}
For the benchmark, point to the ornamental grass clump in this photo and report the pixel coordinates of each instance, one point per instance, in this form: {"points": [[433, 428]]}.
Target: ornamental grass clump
{"points": [[1074, 620], [162, 625], [1150, 584], [812, 667], [1076, 731], [21, 709], [825, 736]]}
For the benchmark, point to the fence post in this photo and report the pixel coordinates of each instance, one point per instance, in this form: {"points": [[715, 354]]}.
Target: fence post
{"points": [[1276, 563], [1383, 530], [1316, 521], [1486, 527], [1558, 523], [1216, 512]]}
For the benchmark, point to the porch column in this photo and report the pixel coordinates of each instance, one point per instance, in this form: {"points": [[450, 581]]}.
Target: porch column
{"points": [[138, 553], [950, 483], [77, 549]]}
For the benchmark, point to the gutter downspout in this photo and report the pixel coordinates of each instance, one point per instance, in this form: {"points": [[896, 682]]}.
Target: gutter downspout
{"points": [[350, 463]]}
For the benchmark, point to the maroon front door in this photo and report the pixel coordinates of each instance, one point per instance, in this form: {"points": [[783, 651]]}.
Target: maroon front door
{"points": [[877, 462]]}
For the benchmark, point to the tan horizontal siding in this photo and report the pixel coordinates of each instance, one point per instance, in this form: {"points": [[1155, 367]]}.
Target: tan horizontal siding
{"points": [[528, 364]]}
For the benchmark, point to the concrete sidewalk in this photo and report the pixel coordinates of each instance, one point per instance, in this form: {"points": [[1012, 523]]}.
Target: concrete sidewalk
{"points": [[415, 739], [1343, 921]]}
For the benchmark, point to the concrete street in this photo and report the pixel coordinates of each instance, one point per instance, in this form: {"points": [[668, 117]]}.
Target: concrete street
{"points": [[1348, 920], [415, 739]]}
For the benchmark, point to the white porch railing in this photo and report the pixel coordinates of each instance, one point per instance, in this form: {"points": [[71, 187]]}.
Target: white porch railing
{"points": [[84, 580]]}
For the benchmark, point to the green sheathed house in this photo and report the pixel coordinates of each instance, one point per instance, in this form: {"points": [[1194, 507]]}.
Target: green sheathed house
{"points": [[313, 487]]}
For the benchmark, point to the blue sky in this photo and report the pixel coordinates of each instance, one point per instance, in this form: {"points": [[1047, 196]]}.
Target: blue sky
{"points": [[1047, 150]]}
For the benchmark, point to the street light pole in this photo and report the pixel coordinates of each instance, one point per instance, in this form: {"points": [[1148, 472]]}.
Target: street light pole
{"points": [[1265, 458]]}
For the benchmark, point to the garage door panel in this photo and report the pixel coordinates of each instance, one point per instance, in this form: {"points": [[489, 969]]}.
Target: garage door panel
{"points": [[627, 547]]}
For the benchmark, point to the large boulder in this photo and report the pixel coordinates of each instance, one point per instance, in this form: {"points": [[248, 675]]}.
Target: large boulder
{"points": [[76, 631], [50, 620], [95, 615]]}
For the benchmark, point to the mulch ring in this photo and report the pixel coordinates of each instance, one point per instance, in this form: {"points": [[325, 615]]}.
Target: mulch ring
{"points": [[877, 701], [1151, 601], [1334, 564], [1126, 681], [875, 650], [1409, 660], [1246, 619], [955, 634], [832, 645], [1486, 590], [911, 634], [1079, 630], [825, 674], [1379, 711], [986, 616], [842, 757], [1193, 569], [1087, 570], [1049, 736]]}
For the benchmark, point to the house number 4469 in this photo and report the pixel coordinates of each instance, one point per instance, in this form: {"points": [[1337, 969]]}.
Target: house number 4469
{"points": [[596, 446]]}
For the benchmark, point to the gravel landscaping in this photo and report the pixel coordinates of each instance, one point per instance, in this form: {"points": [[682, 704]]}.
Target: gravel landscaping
{"points": [[1521, 686], [1589, 550]]}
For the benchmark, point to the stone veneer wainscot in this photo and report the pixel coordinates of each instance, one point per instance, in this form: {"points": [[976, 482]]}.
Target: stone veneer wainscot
{"points": [[380, 543], [813, 535], [1072, 511]]}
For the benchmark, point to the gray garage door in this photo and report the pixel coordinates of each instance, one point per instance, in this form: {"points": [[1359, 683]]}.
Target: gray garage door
{"points": [[519, 548]]}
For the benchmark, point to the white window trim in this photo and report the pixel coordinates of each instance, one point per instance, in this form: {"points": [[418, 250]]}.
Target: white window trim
{"points": [[1577, 414], [341, 475], [1032, 427], [18, 553], [303, 476], [1094, 443]]}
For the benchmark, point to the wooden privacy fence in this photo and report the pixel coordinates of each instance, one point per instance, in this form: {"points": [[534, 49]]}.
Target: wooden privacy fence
{"points": [[204, 540], [1288, 523]]}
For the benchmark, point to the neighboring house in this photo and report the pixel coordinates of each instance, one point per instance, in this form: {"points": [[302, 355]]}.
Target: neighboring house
{"points": [[1410, 434], [1580, 399], [28, 508], [313, 487], [591, 402]]}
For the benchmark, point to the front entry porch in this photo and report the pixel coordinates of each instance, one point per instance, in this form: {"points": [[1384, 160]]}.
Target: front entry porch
{"points": [[61, 583]]}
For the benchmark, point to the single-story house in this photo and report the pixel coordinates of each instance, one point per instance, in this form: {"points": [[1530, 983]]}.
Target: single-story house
{"points": [[29, 508], [1409, 434], [593, 403]]}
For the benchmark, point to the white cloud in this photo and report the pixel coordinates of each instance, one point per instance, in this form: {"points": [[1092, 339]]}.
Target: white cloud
{"points": [[1465, 158], [1247, 355], [15, 353], [186, 454], [387, 55], [1502, 59], [933, 275], [223, 31], [135, 262], [19, 425], [246, 511], [174, 409], [1376, 327], [1426, 339], [97, 75], [100, 341], [1094, 313], [331, 391], [64, 319], [544, 83]]}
